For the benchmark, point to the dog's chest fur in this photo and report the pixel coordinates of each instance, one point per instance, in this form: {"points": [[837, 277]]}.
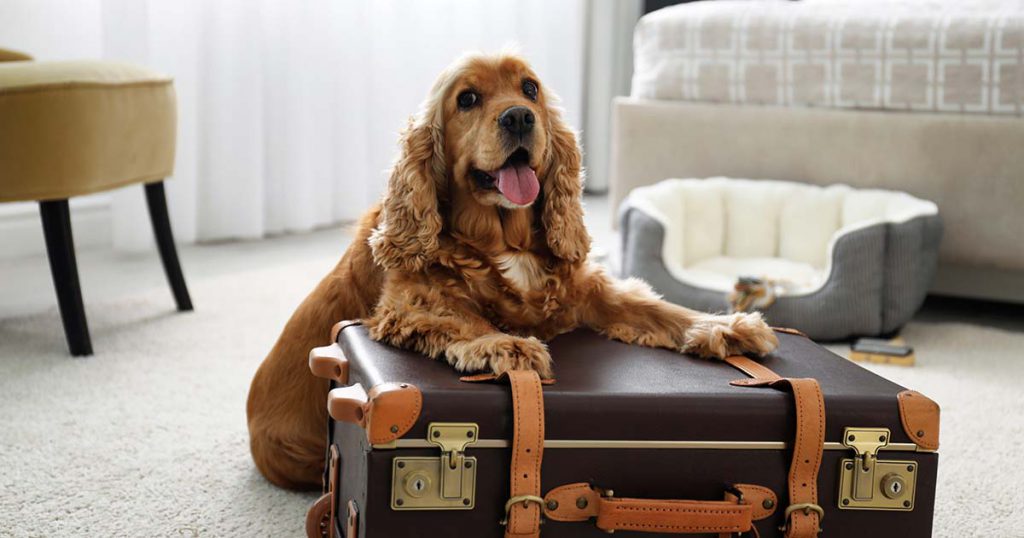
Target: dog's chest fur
{"points": [[530, 302], [522, 269], [508, 271]]}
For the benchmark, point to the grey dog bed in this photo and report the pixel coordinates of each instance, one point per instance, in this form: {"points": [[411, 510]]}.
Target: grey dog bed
{"points": [[856, 262]]}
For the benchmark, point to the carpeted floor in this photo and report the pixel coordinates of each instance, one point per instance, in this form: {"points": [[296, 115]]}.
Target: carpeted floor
{"points": [[148, 438]]}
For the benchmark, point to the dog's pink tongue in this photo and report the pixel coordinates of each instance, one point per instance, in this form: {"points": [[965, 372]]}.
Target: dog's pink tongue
{"points": [[518, 183]]}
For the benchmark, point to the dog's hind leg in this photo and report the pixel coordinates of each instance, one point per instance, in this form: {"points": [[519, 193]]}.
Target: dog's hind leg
{"points": [[287, 406], [287, 459]]}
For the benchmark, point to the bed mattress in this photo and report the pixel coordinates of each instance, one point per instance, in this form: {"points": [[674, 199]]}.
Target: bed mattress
{"points": [[909, 55]]}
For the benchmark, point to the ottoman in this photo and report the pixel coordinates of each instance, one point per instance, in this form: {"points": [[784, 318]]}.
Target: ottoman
{"points": [[74, 128]]}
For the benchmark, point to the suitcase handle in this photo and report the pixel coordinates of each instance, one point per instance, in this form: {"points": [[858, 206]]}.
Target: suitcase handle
{"points": [[743, 504], [318, 518], [348, 404], [329, 362], [387, 411]]}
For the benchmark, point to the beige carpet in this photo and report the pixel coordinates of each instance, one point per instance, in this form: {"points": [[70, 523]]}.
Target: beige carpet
{"points": [[148, 437]]}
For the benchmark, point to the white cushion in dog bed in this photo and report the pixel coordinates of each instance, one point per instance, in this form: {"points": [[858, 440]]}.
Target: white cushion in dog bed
{"points": [[721, 272]]}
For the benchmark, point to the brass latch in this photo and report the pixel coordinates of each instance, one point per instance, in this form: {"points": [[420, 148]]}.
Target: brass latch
{"points": [[867, 483], [453, 440], [447, 482], [865, 442]]}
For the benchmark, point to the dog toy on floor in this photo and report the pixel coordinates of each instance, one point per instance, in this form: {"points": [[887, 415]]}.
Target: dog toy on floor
{"points": [[753, 293]]}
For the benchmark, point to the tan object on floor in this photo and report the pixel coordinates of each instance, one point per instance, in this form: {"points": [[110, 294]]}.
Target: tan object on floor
{"points": [[885, 358]]}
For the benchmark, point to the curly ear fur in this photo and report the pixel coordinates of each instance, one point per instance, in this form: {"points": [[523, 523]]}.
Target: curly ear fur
{"points": [[407, 232], [563, 211]]}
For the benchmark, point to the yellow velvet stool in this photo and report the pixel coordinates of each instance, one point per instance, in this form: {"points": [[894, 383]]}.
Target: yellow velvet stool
{"points": [[74, 128]]}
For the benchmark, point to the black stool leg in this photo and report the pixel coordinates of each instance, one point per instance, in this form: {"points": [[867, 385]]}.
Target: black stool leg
{"points": [[157, 203], [60, 247], [165, 242]]}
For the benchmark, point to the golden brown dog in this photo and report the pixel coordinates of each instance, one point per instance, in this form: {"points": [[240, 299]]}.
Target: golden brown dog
{"points": [[477, 255]]}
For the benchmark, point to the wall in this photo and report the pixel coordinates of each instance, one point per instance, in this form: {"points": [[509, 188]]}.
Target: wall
{"points": [[324, 86], [609, 54]]}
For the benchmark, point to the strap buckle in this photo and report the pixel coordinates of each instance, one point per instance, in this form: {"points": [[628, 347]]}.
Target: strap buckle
{"points": [[806, 508], [736, 492], [606, 493], [526, 500]]}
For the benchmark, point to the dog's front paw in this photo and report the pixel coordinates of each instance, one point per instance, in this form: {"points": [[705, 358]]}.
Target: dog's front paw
{"points": [[733, 334], [500, 353]]}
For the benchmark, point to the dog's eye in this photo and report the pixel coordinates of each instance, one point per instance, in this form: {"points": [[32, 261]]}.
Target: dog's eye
{"points": [[530, 89], [467, 99]]}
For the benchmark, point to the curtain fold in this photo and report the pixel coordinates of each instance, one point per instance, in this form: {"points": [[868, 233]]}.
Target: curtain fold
{"points": [[289, 111]]}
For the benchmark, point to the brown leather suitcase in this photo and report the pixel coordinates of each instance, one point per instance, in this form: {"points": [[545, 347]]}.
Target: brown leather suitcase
{"points": [[628, 440]]}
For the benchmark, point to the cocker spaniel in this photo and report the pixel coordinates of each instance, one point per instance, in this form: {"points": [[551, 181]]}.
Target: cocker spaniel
{"points": [[477, 255]]}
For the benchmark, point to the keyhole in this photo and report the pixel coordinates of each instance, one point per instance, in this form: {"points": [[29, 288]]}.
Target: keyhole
{"points": [[893, 486], [417, 485]]}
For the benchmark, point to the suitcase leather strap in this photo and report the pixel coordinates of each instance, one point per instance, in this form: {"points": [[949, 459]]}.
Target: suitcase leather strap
{"points": [[804, 515], [580, 502], [523, 511]]}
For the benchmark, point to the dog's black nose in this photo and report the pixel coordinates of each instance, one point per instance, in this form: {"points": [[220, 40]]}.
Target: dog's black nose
{"points": [[517, 120]]}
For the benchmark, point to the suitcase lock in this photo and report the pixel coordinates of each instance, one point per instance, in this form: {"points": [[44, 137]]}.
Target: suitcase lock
{"points": [[447, 482], [868, 483]]}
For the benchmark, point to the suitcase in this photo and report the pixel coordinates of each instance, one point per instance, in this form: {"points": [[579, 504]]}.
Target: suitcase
{"points": [[628, 440]]}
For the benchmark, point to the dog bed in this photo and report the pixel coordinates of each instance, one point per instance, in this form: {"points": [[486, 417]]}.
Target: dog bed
{"points": [[845, 262]]}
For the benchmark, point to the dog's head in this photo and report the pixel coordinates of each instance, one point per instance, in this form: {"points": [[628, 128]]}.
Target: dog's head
{"points": [[488, 134]]}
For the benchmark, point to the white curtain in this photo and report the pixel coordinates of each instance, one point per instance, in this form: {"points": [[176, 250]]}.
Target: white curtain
{"points": [[289, 110]]}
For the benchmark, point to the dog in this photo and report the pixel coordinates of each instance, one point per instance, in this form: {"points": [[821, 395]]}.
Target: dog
{"points": [[476, 255]]}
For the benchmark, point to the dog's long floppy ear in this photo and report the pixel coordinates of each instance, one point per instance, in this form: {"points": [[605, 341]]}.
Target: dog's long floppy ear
{"points": [[563, 188], [407, 231]]}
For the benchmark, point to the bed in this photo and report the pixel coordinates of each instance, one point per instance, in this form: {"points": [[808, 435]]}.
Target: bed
{"points": [[922, 97]]}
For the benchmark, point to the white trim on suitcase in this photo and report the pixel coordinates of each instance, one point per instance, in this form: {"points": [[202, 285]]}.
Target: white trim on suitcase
{"points": [[619, 444]]}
